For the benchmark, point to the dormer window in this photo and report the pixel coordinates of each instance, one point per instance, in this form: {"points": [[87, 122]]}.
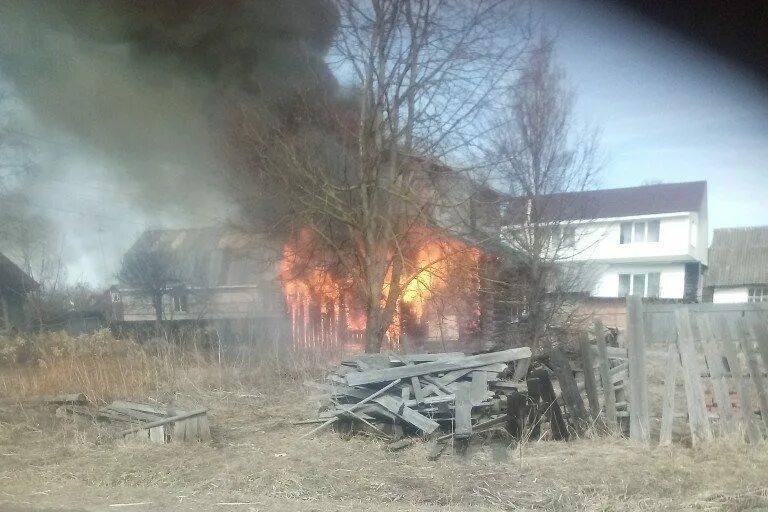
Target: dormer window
{"points": [[639, 232], [115, 296]]}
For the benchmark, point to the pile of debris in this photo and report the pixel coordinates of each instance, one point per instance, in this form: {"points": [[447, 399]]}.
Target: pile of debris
{"points": [[159, 424], [393, 394]]}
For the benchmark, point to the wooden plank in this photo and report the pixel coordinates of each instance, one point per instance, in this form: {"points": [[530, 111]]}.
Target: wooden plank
{"points": [[589, 375], [728, 347], [479, 387], [388, 374], [717, 374], [463, 410], [753, 363], [411, 416], [639, 421], [521, 369], [569, 390], [352, 408], [70, 399], [668, 400], [426, 358], [698, 418], [613, 352], [164, 421], [604, 365], [418, 393], [760, 331]]}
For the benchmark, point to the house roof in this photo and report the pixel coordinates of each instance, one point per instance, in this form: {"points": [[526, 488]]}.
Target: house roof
{"points": [[215, 256], [14, 279], [738, 256], [616, 202]]}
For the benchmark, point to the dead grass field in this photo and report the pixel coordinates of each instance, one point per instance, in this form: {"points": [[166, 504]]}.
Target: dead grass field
{"points": [[257, 462]]}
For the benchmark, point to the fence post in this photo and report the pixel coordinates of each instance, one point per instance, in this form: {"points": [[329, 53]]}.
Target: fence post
{"points": [[609, 395], [755, 371], [694, 393], [589, 374], [638, 377], [670, 385]]}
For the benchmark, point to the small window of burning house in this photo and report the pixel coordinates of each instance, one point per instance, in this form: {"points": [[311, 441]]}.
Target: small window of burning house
{"points": [[624, 284], [115, 296], [757, 294], [626, 233], [180, 301]]}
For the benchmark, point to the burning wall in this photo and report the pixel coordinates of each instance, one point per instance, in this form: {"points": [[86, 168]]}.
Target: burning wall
{"points": [[439, 295]]}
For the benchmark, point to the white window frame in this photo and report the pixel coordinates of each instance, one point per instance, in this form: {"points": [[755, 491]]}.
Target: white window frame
{"points": [[634, 225], [757, 294], [645, 283]]}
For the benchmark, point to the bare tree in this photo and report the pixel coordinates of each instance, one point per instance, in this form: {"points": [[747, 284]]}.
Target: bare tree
{"points": [[154, 274], [542, 160], [362, 173]]}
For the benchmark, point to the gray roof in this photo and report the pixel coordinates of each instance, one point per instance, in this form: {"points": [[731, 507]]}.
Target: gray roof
{"points": [[738, 256], [616, 202], [215, 256], [13, 279]]}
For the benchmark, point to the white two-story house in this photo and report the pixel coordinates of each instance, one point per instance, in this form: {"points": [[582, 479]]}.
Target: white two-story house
{"points": [[648, 240]]}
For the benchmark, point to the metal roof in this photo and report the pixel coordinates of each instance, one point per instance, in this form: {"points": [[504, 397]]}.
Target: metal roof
{"points": [[215, 256], [616, 202], [738, 256]]}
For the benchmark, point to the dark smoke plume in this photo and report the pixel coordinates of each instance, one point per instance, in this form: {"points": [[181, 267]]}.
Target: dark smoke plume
{"points": [[147, 84]]}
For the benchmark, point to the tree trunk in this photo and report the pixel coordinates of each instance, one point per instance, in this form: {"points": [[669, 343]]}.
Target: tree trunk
{"points": [[157, 303]]}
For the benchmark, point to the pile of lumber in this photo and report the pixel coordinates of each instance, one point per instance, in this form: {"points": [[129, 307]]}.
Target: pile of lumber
{"points": [[393, 394], [159, 424]]}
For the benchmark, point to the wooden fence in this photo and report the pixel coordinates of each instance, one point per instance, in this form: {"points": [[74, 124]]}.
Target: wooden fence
{"points": [[717, 353]]}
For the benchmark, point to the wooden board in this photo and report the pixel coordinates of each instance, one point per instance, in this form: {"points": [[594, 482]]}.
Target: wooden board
{"points": [[694, 392], [589, 375], [609, 395], [741, 380], [388, 374], [717, 374], [569, 390], [753, 363], [411, 416], [639, 422], [479, 387], [463, 410], [668, 400]]}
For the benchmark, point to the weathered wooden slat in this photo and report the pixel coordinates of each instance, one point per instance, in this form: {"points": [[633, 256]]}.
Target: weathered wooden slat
{"points": [[639, 421], [753, 363], [612, 352], [760, 331], [728, 347], [164, 421], [425, 358], [411, 416], [569, 390], [604, 365], [698, 418], [384, 375], [668, 400], [352, 408], [717, 374], [463, 411], [418, 393], [479, 387], [589, 375], [73, 399], [521, 369]]}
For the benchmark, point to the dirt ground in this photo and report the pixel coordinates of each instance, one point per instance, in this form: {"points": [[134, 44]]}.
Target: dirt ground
{"points": [[258, 462]]}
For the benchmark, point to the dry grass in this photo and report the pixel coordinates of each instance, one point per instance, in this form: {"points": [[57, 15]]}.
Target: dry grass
{"points": [[105, 368], [258, 458]]}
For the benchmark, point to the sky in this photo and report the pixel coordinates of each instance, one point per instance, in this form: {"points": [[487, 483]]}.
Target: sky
{"points": [[667, 111]]}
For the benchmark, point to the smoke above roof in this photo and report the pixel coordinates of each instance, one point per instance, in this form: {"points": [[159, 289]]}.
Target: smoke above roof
{"points": [[147, 84]]}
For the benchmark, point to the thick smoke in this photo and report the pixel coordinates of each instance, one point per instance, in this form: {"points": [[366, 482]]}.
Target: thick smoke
{"points": [[147, 83]]}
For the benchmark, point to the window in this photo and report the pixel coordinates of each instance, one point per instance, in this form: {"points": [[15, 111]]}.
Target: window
{"points": [[654, 284], [639, 232], [180, 302], [653, 230], [638, 284], [626, 233], [564, 237], [644, 285], [115, 296], [624, 284], [757, 294]]}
